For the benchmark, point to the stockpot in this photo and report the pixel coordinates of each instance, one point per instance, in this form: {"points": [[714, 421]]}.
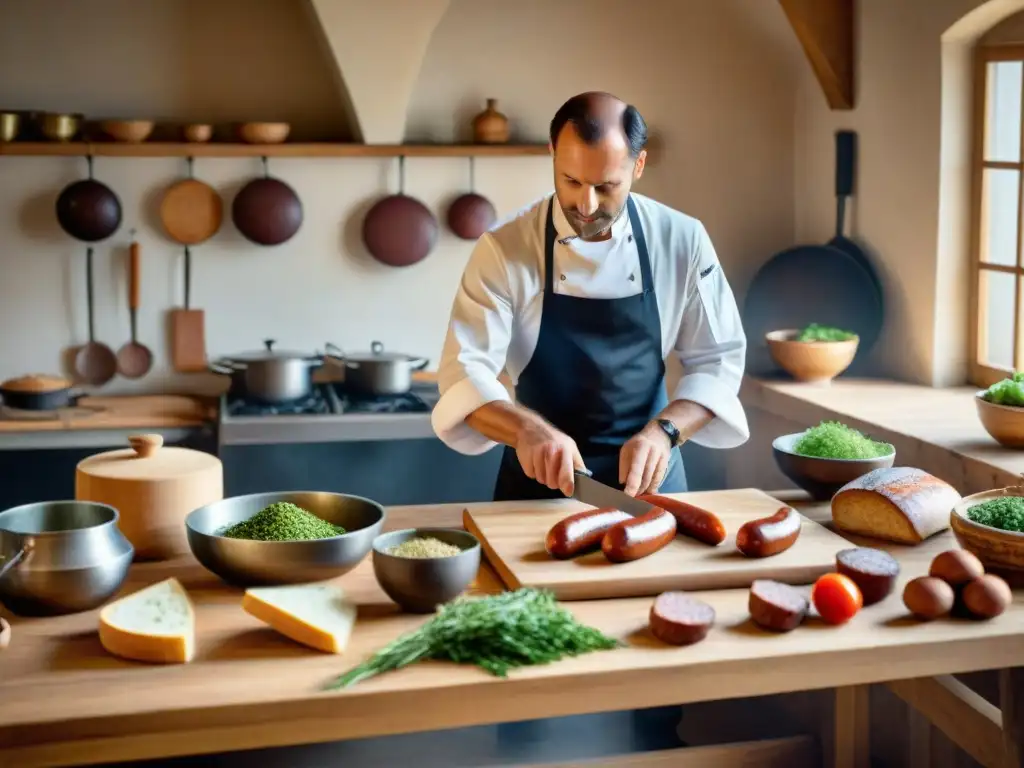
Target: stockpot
{"points": [[377, 372], [270, 375]]}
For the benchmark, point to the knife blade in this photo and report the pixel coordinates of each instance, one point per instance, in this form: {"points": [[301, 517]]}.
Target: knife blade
{"points": [[597, 494]]}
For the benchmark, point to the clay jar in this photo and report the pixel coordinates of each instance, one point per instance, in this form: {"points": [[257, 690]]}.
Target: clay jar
{"points": [[490, 126], [470, 215]]}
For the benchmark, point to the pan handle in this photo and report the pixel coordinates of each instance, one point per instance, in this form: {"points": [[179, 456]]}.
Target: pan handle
{"points": [[846, 164]]}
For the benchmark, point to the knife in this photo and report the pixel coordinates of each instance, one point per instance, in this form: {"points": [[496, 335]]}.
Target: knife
{"points": [[597, 494]]}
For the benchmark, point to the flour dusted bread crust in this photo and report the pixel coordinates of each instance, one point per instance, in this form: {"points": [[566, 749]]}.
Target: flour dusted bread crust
{"points": [[901, 504]]}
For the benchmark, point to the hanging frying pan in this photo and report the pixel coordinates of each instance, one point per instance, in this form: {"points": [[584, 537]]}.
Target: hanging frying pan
{"points": [[266, 210], [191, 213], [88, 209], [470, 215], [399, 230], [833, 284]]}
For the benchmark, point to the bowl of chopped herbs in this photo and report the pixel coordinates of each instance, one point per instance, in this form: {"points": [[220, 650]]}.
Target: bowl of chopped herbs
{"points": [[422, 568], [990, 525], [824, 458], [813, 354], [1001, 410], [283, 538]]}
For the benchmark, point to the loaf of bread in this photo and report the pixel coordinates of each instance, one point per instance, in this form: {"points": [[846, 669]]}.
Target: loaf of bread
{"points": [[36, 382], [901, 504]]}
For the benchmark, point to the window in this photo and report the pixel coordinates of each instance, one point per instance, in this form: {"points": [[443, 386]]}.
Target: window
{"points": [[997, 340]]}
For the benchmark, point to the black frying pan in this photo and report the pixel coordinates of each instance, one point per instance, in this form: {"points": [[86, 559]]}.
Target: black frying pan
{"points": [[833, 284]]}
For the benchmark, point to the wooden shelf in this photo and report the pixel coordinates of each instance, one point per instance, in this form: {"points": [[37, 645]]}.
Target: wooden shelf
{"points": [[315, 149]]}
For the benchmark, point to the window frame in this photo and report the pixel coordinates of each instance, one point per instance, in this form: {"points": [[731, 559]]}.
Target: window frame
{"points": [[981, 373]]}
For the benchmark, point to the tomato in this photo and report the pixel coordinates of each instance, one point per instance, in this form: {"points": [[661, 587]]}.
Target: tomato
{"points": [[836, 597]]}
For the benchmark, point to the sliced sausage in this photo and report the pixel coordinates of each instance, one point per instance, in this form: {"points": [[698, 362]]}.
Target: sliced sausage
{"points": [[692, 521], [769, 536], [678, 619], [777, 606], [639, 537], [582, 531], [873, 570]]}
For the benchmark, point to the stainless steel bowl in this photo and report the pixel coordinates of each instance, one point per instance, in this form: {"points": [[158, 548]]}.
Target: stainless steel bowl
{"points": [[60, 557], [243, 563], [419, 585]]}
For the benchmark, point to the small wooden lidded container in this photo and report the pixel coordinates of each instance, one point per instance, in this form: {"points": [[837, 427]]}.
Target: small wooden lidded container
{"points": [[153, 488]]}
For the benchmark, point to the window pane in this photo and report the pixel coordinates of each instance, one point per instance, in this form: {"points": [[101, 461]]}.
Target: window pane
{"points": [[997, 291], [1000, 206], [1002, 123]]}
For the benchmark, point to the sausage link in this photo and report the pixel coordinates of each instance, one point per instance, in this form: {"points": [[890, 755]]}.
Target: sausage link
{"points": [[639, 537], [693, 521], [582, 531], [769, 536]]}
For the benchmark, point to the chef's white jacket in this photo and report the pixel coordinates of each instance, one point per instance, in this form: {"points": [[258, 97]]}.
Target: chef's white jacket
{"points": [[496, 313]]}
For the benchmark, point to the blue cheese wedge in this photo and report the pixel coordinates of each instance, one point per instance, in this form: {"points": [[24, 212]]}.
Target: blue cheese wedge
{"points": [[315, 615], [156, 624]]}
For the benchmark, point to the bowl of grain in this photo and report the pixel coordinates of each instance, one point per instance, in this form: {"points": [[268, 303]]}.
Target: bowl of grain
{"points": [[283, 538], [421, 568], [815, 354], [990, 525]]}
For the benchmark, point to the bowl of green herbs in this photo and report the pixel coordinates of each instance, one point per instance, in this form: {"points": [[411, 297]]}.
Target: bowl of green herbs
{"points": [[288, 537], [824, 458], [815, 353], [1001, 410], [990, 525]]}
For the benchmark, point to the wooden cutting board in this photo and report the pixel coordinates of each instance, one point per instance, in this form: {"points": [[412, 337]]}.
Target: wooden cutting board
{"points": [[512, 535]]}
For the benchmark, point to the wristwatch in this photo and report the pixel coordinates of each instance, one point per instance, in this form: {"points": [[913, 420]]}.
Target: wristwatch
{"points": [[669, 429]]}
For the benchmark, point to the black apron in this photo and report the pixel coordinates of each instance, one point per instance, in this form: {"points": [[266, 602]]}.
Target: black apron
{"points": [[597, 374]]}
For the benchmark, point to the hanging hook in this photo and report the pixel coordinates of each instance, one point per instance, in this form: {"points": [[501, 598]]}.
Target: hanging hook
{"points": [[472, 173], [401, 174], [266, 169], [191, 165], [88, 160]]}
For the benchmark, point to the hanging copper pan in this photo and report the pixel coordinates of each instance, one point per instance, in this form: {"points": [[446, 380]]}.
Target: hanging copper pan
{"points": [[399, 230], [266, 210], [470, 215]]}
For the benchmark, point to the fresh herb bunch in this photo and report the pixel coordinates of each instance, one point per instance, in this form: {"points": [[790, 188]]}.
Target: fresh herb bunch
{"points": [[1009, 391], [1006, 513], [815, 332], [283, 521], [496, 633], [834, 440]]}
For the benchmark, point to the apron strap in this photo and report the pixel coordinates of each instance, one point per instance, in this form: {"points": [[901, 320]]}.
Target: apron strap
{"points": [[646, 278], [549, 248]]}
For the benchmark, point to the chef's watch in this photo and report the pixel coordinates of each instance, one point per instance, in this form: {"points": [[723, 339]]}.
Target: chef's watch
{"points": [[669, 429]]}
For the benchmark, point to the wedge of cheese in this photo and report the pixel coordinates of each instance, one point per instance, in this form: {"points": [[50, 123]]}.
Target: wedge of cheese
{"points": [[316, 615], [156, 624]]}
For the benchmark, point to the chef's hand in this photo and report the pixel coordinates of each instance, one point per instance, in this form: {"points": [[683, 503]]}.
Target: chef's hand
{"points": [[548, 456], [643, 461]]}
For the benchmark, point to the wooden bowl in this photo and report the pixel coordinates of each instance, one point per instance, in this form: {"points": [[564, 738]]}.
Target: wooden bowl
{"points": [[1005, 423], [129, 131], [197, 132], [810, 361], [1001, 552], [821, 478], [264, 133]]}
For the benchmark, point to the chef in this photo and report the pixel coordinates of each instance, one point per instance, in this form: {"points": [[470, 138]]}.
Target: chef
{"points": [[580, 298]]}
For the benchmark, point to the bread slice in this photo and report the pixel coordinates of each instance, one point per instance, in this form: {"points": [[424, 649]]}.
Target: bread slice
{"points": [[901, 504], [317, 615], [156, 624]]}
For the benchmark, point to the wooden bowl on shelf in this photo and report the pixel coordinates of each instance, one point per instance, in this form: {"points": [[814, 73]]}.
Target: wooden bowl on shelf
{"points": [[1005, 423], [810, 361], [196, 133], [128, 131], [1001, 552], [264, 133]]}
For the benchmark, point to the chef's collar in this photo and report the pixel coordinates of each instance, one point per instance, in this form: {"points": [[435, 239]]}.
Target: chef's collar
{"points": [[563, 229]]}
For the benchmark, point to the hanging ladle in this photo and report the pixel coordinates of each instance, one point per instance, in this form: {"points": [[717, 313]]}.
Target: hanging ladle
{"points": [[134, 359]]}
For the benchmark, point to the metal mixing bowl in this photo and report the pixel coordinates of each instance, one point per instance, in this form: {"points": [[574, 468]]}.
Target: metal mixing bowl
{"points": [[419, 585], [243, 562], [60, 557]]}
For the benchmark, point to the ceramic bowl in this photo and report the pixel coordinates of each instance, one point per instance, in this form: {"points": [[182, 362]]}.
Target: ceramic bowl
{"points": [[821, 478], [1001, 552], [1004, 423], [419, 585], [810, 361]]}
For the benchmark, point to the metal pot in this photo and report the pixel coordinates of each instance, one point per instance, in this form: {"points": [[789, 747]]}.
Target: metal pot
{"points": [[378, 372], [38, 392], [270, 376], [59, 557]]}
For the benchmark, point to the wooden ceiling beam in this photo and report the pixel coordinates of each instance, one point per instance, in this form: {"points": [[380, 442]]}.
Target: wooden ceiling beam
{"points": [[825, 29]]}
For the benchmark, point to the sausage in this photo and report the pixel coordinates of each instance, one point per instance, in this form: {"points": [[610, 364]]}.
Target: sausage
{"points": [[692, 521], [873, 570], [678, 619], [582, 531], [776, 606], [769, 536], [639, 537]]}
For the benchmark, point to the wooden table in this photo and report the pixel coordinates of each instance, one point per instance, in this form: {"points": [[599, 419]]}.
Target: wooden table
{"points": [[64, 701]]}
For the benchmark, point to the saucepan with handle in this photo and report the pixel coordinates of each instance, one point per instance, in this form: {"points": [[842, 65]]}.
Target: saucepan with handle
{"points": [[377, 372]]}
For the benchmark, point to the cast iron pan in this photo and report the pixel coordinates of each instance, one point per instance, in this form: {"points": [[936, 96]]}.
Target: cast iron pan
{"points": [[470, 215], [267, 211], [399, 230], [88, 210], [833, 284], [47, 394]]}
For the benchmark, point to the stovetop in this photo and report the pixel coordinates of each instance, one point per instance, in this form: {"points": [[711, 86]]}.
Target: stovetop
{"points": [[330, 400]]}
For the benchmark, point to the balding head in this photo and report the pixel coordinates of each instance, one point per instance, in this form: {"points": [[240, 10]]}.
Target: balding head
{"points": [[598, 145]]}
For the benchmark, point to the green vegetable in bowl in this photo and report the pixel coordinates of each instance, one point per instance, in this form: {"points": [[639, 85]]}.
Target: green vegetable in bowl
{"points": [[815, 332], [833, 440], [1009, 391], [1006, 514]]}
